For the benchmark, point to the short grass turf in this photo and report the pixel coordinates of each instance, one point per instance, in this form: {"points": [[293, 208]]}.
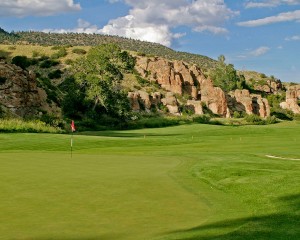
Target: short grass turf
{"points": [[186, 182]]}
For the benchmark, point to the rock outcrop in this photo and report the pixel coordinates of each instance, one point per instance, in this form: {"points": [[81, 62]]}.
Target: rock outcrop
{"points": [[19, 94], [292, 99], [243, 101], [271, 86], [214, 98], [141, 100], [179, 78]]}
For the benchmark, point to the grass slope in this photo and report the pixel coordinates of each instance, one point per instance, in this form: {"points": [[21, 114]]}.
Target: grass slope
{"points": [[82, 39], [186, 182]]}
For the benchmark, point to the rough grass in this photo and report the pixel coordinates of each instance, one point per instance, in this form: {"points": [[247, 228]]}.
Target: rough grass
{"points": [[185, 182], [28, 50], [34, 126]]}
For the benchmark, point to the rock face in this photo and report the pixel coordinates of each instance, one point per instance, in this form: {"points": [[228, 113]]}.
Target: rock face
{"points": [[243, 101], [18, 91], [214, 98], [196, 106], [271, 86], [171, 103], [292, 98], [141, 100], [179, 78]]}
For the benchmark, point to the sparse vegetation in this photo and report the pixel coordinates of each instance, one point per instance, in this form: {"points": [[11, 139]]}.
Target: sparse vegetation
{"points": [[35, 126]]}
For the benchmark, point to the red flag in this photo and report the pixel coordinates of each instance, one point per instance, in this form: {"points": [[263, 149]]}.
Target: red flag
{"points": [[73, 126]]}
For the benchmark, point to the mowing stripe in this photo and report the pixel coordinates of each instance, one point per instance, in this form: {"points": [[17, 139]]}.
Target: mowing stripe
{"points": [[291, 159]]}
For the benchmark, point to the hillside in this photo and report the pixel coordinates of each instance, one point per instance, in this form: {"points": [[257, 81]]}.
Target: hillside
{"points": [[76, 39], [109, 85]]}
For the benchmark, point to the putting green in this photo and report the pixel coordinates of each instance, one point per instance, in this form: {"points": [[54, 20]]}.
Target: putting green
{"points": [[186, 182]]}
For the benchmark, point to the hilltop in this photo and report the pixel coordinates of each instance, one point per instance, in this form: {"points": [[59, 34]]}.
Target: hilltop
{"points": [[82, 39]]}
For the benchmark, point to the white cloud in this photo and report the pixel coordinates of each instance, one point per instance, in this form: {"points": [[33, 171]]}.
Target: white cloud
{"points": [[22, 8], [128, 27], [282, 17], [271, 3], [82, 27], [293, 38], [260, 51], [154, 20]]}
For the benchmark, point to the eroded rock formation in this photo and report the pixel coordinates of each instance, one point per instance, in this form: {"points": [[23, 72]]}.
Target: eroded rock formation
{"points": [[179, 78], [19, 94], [292, 99]]}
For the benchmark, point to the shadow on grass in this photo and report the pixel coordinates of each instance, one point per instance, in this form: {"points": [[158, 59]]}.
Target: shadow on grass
{"points": [[120, 134], [100, 237], [284, 225]]}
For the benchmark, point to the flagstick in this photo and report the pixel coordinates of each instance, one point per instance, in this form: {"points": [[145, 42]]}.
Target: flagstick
{"points": [[72, 145]]}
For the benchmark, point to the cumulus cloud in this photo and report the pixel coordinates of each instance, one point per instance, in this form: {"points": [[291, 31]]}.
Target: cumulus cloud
{"points": [[271, 3], [82, 27], [282, 17], [293, 38], [154, 20], [259, 51], [22, 8]]}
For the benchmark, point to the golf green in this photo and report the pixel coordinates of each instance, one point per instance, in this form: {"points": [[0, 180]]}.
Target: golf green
{"points": [[186, 182]]}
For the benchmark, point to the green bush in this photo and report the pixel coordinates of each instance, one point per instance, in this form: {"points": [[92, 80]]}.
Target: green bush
{"points": [[283, 114], [156, 122], [254, 119], [271, 120], [21, 61], [297, 117], [53, 121], [62, 52], [48, 63], [55, 74], [202, 119], [79, 51], [237, 114]]}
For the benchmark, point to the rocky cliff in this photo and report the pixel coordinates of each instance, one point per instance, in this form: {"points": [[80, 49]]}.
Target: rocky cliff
{"points": [[182, 86], [181, 79], [19, 93], [292, 99]]}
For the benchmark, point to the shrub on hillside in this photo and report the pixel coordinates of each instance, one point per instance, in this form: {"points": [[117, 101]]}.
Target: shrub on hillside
{"points": [[254, 119], [79, 51], [237, 114], [62, 52], [48, 63], [55, 74], [202, 119], [21, 61], [283, 114], [271, 120]]}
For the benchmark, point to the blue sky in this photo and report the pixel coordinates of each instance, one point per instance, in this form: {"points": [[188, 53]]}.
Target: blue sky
{"points": [[259, 35]]}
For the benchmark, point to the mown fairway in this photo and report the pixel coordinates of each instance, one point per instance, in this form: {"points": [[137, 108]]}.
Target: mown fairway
{"points": [[188, 182]]}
